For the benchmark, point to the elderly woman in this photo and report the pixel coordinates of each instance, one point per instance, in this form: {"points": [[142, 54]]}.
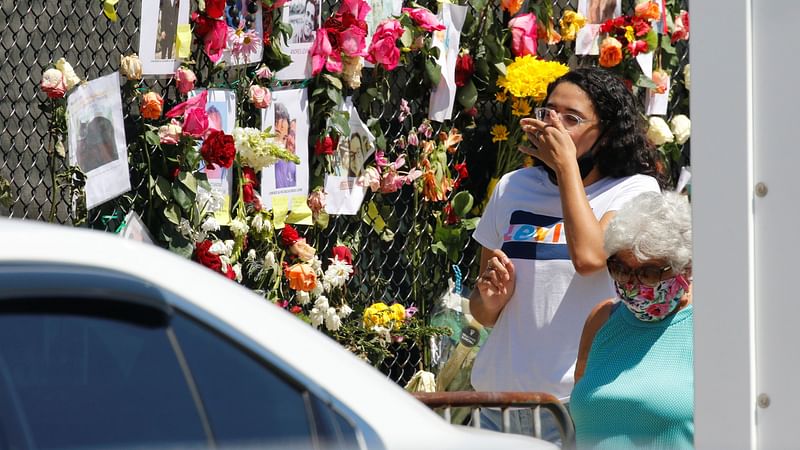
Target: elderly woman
{"points": [[634, 380]]}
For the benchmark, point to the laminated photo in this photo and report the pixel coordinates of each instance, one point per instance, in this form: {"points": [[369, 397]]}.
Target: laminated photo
{"points": [[344, 194], [303, 16], [245, 43], [443, 95], [288, 118], [161, 22], [221, 109], [97, 138]]}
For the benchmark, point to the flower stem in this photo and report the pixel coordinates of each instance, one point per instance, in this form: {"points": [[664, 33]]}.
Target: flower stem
{"points": [[54, 183]]}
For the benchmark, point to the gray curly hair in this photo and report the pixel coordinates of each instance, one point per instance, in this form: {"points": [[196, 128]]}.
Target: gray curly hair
{"points": [[653, 226]]}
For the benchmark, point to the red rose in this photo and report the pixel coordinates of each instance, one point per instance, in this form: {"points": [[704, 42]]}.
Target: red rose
{"points": [[205, 257], [202, 24], [465, 67], [249, 186], [640, 26], [296, 310], [289, 235], [325, 146], [342, 253], [218, 148], [215, 8]]}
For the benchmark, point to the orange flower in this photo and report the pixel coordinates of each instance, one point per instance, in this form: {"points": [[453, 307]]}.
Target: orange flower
{"points": [[610, 52], [661, 79], [647, 11], [452, 140], [549, 34], [512, 6], [151, 107], [301, 277]]}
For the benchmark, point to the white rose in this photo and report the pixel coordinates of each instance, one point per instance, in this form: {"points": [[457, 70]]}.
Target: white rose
{"points": [[681, 127], [658, 132], [687, 77], [131, 67], [69, 73]]}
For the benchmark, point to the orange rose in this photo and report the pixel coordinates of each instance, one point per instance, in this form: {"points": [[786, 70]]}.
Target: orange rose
{"points": [[512, 6], [152, 105], [647, 11], [301, 277], [610, 52]]}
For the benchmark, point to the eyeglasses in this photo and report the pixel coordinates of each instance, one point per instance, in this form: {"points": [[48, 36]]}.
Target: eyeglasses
{"points": [[648, 275], [570, 121]]}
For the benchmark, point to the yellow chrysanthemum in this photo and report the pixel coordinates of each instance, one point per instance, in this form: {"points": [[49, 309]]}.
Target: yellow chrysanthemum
{"points": [[499, 133], [529, 77], [521, 107], [501, 96], [629, 34], [571, 22]]}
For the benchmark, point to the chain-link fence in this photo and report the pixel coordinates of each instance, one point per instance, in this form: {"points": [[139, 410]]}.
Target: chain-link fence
{"points": [[402, 269]]}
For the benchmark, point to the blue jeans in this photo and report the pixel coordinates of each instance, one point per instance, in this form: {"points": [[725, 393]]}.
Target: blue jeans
{"points": [[521, 422]]}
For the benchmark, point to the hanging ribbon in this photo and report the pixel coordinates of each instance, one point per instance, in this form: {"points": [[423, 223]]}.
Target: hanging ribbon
{"points": [[110, 10]]}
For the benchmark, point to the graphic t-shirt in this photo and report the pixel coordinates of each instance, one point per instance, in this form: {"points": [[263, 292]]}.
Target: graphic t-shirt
{"points": [[534, 344]]}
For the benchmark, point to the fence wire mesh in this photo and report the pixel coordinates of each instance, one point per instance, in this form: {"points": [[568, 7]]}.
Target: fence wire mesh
{"points": [[401, 269]]}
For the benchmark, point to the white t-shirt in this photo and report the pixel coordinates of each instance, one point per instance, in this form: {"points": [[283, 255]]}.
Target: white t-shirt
{"points": [[534, 344]]}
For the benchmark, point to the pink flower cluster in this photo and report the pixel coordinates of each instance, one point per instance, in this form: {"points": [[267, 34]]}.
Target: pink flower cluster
{"points": [[195, 117], [343, 33], [383, 48], [387, 177], [523, 34], [424, 18]]}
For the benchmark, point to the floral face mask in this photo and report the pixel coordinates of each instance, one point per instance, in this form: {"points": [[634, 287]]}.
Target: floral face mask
{"points": [[652, 303]]}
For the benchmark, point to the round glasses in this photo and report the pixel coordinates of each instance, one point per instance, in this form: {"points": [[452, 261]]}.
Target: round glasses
{"points": [[569, 120], [648, 275]]}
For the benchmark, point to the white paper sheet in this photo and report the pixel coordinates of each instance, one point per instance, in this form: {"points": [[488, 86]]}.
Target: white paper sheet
{"points": [[288, 117], [135, 229], [655, 104], [97, 138], [443, 95], [159, 28], [303, 17], [344, 196]]}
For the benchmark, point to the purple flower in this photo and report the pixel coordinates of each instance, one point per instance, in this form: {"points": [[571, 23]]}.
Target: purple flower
{"points": [[426, 129], [410, 311]]}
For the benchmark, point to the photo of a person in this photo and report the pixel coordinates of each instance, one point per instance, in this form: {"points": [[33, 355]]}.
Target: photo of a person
{"points": [[215, 119], [598, 11], [285, 171], [303, 18], [167, 28], [350, 156], [96, 146]]}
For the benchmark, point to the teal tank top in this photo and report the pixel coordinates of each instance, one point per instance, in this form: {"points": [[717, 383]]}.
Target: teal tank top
{"points": [[638, 388]]}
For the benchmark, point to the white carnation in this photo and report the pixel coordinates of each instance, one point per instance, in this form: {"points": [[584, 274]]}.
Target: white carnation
{"points": [[209, 201], [316, 316], [338, 273], [302, 297], [316, 264], [658, 132], [239, 228], [332, 321], [681, 127], [322, 303], [210, 224], [318, 290], [345, 311]]}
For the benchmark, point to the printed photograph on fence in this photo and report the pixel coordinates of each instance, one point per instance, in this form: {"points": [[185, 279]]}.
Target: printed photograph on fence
{"points": [[303, 16], [596, 12], [443, 95], [135, 229], [380, 10], [344, 195], [289, 120], [221, 109], [97, 138], [158, 37], [245, 32]]}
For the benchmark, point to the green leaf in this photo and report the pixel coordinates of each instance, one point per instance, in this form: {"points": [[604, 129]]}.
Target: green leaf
{"points": [[335, 82], [501, 68], [462, 203], [184, 200], [666, 45], [173, 213], [467, 95], [340, 121], [152, 138], [652, 40], [438, 247], [188, 180], [407, 38], [432, 71], [163, 188], [471, 224], [644, 82]]}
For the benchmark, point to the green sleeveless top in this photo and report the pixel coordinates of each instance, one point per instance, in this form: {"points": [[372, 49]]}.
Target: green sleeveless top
{"points": [[638, 388]]}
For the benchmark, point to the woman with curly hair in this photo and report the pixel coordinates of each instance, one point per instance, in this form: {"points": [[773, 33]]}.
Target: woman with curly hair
{"points": [[542, 263]]}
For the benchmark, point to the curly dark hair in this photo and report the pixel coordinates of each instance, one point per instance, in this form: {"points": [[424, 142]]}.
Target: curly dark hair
{"points": [[623, 149]]}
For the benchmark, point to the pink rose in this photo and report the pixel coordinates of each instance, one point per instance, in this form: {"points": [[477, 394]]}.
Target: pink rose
{"points": [[523, 34], [358, 8], [170, 133], [53, 83], [353, 41], [383, 48], [322, 54], [259, 96], [316, 201], [424, 18], [181, 108], [214, 41], [195, 122], [370, 178], [681, 31], [185, 79], [264, 73]]}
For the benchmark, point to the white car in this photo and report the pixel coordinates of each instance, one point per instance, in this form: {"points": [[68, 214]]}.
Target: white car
{"points": [[110, 343]]}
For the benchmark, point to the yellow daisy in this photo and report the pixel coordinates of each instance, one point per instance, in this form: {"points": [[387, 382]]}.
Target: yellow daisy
{"points": [[499, 133]]}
